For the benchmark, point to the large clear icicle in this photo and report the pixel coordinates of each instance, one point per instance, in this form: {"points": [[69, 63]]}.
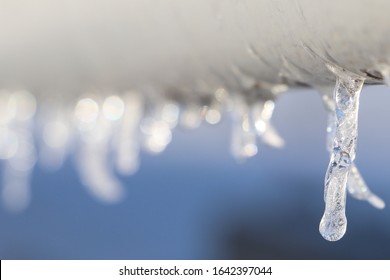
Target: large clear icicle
{"points": [[356, 185], [346, 96]]}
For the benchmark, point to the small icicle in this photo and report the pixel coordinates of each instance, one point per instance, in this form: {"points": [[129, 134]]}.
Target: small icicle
{"points": [[92, 159], [18, 149], [127, 143], [356, 185], [56, 139], [358, 188], [346, 96], [156, 130], [261, 113], [214, 111], [243, 143]]}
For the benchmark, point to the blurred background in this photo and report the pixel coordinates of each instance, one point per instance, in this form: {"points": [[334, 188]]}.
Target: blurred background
{"points": [[194, 201]]}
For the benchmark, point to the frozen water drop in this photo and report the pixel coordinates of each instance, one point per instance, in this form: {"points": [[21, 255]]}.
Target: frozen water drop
{"points": [[346, 96]]}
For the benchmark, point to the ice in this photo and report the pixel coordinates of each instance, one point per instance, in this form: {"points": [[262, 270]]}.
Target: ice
{"points": [[261, 113], [346, 97], [17, 148], [243, 139], [160, 117], [56, 140], [93, 152], [356, 185], [127, 145], [358, 188], [105, 131]]}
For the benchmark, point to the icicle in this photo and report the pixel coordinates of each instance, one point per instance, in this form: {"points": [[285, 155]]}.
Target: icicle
{"points": [[170, 113], [157, 131], [243, 143], [346, 96], [56, 138], [127, 143], [358, 189], [92, 158], [356, 185], [16, 125], [261, 113]]}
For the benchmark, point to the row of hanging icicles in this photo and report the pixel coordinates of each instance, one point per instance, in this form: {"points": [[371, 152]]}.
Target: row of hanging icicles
{"points": [[103, 133]]}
